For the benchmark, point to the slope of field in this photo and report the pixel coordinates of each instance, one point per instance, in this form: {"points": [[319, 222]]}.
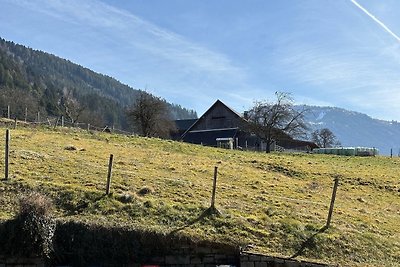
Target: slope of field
{"points": [[269, 203]]}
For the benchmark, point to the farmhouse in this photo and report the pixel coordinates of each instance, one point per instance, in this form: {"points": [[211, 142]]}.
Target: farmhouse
{"points": [[221, 126]]}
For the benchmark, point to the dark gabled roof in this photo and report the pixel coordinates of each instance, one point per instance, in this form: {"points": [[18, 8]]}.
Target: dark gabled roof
{"points": [[209, 137], [205, 113], [183, 125]]}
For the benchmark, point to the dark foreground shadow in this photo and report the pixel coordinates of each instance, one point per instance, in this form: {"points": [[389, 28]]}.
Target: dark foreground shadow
{"points": [[211, 211], [81, 207], [309, 243]]}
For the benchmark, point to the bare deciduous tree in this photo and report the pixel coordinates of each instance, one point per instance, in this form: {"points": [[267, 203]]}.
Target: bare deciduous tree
{"points": [[324, 138], [70, 106], [150, 116], [270, 120]]}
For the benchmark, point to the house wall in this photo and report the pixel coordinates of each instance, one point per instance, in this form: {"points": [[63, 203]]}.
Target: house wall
{"points": [[217, 118], [247, 141]]}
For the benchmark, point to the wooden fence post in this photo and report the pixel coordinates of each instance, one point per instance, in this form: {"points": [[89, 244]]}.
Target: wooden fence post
{"points": [[7, 149], [110, 163], [88, 127], [335, 186], [26, 114], [8, 112], [214, 187], [62, 121], [15, 122]]}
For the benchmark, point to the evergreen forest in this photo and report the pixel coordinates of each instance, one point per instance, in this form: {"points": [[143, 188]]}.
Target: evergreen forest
{"points": [[33, 81]]}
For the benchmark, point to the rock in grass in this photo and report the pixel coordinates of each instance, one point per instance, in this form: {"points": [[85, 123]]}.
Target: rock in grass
{"points": [[361, 200], [126, 198], [70, 148], [145, 190]]}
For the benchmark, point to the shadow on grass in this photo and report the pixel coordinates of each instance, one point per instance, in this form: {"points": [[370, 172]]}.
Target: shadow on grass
{"points": [[309, 243], [211, 211], [81, 207]]}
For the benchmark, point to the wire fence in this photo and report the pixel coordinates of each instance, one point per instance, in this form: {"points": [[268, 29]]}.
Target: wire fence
{"points": [[61, 121], [300, 205]]}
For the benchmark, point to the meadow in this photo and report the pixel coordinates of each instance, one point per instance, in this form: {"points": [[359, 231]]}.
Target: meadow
{"points": [[268, 203]]}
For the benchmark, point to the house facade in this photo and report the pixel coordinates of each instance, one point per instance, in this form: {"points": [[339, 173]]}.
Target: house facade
{"points": [[221, 126]]}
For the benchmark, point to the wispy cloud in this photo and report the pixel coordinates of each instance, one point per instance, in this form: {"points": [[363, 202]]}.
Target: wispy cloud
{"points": [[323, 54], [138, 52], [355, 68], [379, 22], [136, 32], [349, 77], [342, 70]]}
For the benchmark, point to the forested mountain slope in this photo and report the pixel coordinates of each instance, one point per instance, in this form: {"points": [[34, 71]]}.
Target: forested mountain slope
{"points": [[41, 82]]}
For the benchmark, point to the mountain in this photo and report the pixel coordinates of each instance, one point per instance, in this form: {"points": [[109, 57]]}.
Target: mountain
{"points": [[41, 82], [356, 129]]}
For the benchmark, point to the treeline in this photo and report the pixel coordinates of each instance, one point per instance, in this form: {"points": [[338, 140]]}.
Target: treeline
{"points": [[40, 82]]}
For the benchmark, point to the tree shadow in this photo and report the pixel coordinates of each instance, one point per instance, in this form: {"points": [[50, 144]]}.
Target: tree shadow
{"points": [[81, 206], [309, 243], [211, 211]]}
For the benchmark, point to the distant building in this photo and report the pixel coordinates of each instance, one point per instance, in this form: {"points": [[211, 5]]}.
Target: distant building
{"points": [[221, 126], [348, 151]]}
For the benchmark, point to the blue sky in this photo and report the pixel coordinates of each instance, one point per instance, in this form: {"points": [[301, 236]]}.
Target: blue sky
{"points": [[343, 53]]}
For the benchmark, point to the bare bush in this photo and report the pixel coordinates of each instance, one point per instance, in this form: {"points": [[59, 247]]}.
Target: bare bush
{"points": [[151, 117], [37, 223]]}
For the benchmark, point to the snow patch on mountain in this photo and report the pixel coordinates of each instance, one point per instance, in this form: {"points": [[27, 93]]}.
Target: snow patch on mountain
{"points": [[321, 116]]}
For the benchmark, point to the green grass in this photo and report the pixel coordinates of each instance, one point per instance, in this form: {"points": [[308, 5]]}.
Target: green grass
{"points": [[271, 203]]}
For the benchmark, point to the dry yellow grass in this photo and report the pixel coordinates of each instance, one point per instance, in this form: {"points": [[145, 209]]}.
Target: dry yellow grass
{"points": [[272, 202]]}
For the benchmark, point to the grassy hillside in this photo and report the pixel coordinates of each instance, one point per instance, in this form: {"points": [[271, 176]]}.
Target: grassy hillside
{"points": [[270, 203]]}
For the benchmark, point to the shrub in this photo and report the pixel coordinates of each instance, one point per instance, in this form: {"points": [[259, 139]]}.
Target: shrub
{"points": [[37, 224]]}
